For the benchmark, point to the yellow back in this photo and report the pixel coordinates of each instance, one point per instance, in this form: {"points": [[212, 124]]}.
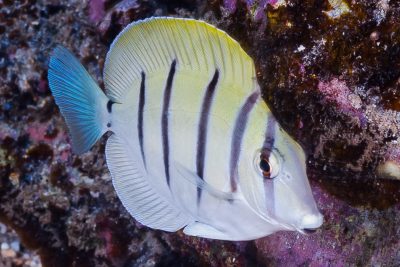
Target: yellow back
{"points": [[151, 45]]}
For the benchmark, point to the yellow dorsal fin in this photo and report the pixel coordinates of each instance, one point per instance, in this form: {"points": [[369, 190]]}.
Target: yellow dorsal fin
{"points": [[151, 46]]}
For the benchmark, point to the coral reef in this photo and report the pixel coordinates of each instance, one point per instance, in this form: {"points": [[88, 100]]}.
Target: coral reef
{"points": [[12, 253], [332, 82]]}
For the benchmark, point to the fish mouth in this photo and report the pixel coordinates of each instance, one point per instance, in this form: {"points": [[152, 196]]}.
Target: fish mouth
{"points": [[309, 231], [310, 223]]}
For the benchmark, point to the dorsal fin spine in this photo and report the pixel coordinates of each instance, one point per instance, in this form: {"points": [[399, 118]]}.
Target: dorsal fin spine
{"points": [[191, 42], [142, 53], [170, 48], [152, 46], [212, 50], [185, 53], [203, 55], [164, 50], [223, 67]]}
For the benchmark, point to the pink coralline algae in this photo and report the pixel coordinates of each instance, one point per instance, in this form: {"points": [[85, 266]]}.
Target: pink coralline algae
{"points": [[329, 246], [262, 3], [121, 14], [257, 8], [365, 113], [230, 5], [97, 11], [336, 91]]}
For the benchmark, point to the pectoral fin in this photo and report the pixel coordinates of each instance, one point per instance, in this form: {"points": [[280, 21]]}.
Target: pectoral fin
{"points": [[189, 176]]}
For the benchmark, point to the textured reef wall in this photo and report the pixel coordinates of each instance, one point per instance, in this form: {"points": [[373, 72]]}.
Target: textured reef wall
{"points": [[330, 71]]}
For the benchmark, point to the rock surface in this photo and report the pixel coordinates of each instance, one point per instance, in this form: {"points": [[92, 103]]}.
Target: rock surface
{"points": [[333, 83]]}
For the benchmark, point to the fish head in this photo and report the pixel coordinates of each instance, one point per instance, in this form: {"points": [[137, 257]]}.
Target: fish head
{"points": [[277, 187]]}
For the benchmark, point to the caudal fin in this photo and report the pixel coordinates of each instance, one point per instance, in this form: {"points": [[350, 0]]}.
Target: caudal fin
{"points": [[81, 101]]}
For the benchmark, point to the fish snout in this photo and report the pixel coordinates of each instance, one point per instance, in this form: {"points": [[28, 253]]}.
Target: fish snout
{"points": [[310, 222]]}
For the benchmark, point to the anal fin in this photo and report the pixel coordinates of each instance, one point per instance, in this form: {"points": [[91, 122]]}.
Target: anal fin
{"points": [[136, 191]]}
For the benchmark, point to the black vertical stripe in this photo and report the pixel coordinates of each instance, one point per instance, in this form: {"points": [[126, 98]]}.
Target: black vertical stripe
{"points": [[269, 139], [267, 148], [142, 100], [164, 119], [202, 130], [238, 131], [109, 106]]}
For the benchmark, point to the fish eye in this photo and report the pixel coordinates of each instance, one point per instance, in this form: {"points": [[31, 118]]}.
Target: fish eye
{"points": [[265, 168], [267, 163]]}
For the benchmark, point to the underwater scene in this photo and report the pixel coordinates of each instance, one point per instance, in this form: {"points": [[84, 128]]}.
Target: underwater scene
{"points": [[199, 133]]}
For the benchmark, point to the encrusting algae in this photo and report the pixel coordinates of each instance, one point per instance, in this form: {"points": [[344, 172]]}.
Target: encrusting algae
{"points": [[338, 8]]}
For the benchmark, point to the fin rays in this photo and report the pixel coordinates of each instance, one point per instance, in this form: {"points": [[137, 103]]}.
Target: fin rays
{"points": [[150, 45], [138, 195], [80, 100]]}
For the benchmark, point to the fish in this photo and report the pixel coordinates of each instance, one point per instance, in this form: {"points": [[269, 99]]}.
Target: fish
{"points": [[192, 144]]}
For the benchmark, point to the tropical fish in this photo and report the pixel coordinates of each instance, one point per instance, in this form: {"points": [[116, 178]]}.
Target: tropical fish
{"points": [[193, 145]]}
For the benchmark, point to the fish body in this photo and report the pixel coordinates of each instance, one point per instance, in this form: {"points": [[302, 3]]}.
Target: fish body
{"points": [[193, 145]]}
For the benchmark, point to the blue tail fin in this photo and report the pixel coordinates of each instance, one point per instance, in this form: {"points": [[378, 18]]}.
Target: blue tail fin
{"points": [[81, 102]]}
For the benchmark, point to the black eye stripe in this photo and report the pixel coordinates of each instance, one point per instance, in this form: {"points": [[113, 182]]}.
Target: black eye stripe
{"points": [[269, 136], [266, 154]]}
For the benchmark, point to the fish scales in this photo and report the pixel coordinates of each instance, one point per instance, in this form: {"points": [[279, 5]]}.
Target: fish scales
{"points": [[193, 144]]}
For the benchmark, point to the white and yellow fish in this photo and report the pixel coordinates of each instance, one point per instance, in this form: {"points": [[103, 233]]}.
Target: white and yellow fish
{"points": [[193, 145]]}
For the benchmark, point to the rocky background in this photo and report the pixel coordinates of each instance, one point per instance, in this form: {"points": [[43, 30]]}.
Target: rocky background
{"points": [[330, 71]]}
